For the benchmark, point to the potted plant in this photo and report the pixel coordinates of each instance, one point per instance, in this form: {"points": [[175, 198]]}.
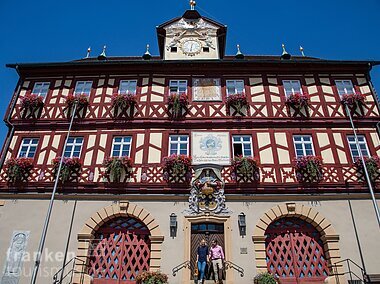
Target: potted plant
{"points": [[70, 167], [237, 102], [81, 99], [265, 278], [18, 169], [148, 277], [246, 168], [115, 167], [372, 164], [121, 102], [177, 168], [308, 169], [297, 100], [353, 100], [32, 105], [176, 104]]}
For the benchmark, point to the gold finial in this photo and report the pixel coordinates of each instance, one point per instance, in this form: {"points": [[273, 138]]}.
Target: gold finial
{"points": [[192, 4], [301, 49], [88, 52]]}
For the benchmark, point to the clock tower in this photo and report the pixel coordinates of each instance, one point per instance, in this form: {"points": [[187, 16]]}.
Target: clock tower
{"points": [[191, 37]]}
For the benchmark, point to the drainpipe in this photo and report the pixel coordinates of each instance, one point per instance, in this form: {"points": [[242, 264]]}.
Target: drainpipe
{"points": [[7, 120]]}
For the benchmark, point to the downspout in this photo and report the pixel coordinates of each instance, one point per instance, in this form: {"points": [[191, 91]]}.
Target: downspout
{"points": [[7, 120]]}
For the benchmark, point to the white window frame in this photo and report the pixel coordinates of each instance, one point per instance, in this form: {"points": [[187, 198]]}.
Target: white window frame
{"points": [[40, 86], [73, 145], [234, 83], [292, 84], [122, 144], [241, 142], [129, 83], [177, 84], [175, 139], [303, 144], [362, 141], [346, 90], [81, 92], [28, 145]]}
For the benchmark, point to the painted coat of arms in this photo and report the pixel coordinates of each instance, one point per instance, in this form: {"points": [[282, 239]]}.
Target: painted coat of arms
{"points": [[207, 193]]}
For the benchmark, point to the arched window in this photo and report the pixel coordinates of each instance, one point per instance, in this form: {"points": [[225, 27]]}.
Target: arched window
{"points": [[294, 251], [120, 251]]}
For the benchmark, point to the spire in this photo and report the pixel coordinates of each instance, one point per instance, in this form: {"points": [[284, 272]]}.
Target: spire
{"points": [[88, 52], [192, 4], [103, 56], [147, 54], [301, 49], [285, 54], [239, 55]]}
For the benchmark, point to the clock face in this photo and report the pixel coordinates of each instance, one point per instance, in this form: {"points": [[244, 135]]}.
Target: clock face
{"points": [[191, 47]]}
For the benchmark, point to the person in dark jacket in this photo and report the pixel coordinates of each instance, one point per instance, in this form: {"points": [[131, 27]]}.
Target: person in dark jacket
{"points": [[202, 259]]}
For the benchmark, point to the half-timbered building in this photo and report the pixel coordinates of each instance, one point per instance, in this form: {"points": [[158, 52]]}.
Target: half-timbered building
{"points": [[255, 151]]}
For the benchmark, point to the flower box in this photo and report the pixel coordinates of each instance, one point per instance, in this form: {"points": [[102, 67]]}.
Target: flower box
{"points": [[373, 167], [265, 278], [246, 169], [297, 100], [122, 102], [70, 168], [353, 100], [32, 105], [116, 168], [83, 102], [308, 169], [177, 168], [18, 169], [236, 102], [177, 105], [148, 277]]}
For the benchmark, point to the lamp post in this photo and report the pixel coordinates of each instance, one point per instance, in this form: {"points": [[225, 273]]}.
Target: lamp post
{"points": [[50, 208], [364, 166]]}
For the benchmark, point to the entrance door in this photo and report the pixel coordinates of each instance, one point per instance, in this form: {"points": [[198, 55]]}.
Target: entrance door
{"points": [[295, 252], [121, 252], [207, 231]]}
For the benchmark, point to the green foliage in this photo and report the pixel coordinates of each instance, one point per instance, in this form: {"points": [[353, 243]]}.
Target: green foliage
{"points": [[265, 278]]}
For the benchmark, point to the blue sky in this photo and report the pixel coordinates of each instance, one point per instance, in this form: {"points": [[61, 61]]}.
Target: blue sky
{"points": [[48, 31]]}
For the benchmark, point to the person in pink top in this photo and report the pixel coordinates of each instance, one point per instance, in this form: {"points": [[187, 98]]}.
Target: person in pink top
{"points": [[217, 258]]}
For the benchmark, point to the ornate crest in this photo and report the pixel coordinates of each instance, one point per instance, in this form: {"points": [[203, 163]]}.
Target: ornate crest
{"points": [[207, 192]]}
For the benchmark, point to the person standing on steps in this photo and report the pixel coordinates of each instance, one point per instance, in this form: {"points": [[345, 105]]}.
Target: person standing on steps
{"points": [[202, 259], [217, 259]]}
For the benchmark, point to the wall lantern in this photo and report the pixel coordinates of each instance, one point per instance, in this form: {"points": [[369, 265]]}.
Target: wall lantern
{"points": [[242, 224], [173, 225]]}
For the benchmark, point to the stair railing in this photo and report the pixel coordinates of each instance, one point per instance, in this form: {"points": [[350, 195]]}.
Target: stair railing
{"points": [[350, 264], [236, 267], [58, 278], [183, 265]]}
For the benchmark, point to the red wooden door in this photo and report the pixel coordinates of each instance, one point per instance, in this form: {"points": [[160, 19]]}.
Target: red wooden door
{"points": [[121, 251], [295, 252]]}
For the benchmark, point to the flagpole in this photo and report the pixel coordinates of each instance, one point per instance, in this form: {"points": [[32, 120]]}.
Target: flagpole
{"points": [[50, 208], [376, 207]]}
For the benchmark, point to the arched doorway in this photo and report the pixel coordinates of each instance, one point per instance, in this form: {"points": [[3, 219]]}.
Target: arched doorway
{"points": [[294, 251], [120, 251]]}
